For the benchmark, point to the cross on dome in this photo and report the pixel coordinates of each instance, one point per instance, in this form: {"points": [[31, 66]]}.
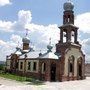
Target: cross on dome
{"points": [[49, 41], [27, 32], [26, 39]]}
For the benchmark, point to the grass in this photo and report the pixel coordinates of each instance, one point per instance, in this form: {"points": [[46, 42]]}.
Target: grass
{"points": [[21, 78]]}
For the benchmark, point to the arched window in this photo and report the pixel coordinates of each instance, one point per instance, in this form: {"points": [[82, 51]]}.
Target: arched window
{"points": [[34, 66], [43, 67], [64, 37], [29, 65], [79, 68], [21, 65], [71, 67], [68, 18], [72, 36], [71, 64]]}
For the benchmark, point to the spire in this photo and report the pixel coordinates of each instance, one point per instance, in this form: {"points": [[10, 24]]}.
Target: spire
{"points": [[49, 41], [18, 44], [26, 32]]}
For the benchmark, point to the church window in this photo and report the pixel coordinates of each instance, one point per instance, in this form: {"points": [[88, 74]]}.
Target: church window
{"points": [[29, 65], [21, 65], [34, 66], [68, 18], [43, 67], [72, 36], [71, 64], [64, 36], [71, 67]]}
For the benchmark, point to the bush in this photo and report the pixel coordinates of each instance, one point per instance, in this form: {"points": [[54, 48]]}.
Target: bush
{"points": [[1, 67]]}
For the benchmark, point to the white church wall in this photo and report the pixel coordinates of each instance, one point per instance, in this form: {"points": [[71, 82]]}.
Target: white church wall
{"points": [[8, 64]]}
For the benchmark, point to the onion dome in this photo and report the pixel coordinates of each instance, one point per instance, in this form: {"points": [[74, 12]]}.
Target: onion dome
{"points": [[68, 6], [26, 40], [49, 47]]}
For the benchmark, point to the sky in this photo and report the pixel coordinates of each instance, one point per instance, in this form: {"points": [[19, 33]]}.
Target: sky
{"points": [[42, 18]]}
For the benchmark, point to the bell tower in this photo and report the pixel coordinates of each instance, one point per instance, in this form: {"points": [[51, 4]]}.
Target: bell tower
{"points": [[68, 44], [68, 31]]}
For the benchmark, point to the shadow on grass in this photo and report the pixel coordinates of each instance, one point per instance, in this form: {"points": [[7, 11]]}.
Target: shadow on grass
{"points": [[32, 81]]}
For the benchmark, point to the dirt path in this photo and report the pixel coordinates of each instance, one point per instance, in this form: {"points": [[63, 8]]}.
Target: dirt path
{"points": [[7, 84]]}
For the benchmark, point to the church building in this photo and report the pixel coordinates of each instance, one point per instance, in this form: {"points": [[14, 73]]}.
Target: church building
{"points": [[65, 64]]}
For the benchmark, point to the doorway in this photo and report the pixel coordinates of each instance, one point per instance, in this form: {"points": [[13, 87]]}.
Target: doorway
{"points": [[53, 72]]}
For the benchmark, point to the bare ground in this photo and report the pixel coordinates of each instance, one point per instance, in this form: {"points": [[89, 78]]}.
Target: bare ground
{"points": [[7, 84]]}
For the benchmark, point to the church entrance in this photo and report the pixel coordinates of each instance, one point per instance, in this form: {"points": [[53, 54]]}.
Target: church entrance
{"points": [[53, 72]]}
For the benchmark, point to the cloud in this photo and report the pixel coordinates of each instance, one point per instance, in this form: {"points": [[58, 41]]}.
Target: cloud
{"points": [[40, 34], [86, 42], [4, 50], [8, 47], [24, 17], [83, 22], [2, 43], [16, 38], [4, 2], [86, 48], [6, 26]]}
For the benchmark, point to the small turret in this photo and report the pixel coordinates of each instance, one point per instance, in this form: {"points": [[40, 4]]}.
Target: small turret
{"points": [[26, 41]]}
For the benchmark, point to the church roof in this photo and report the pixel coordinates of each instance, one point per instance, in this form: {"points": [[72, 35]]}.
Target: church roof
{"points": [[18, 53], [49, 55], [35, 54], [32, 54]]}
